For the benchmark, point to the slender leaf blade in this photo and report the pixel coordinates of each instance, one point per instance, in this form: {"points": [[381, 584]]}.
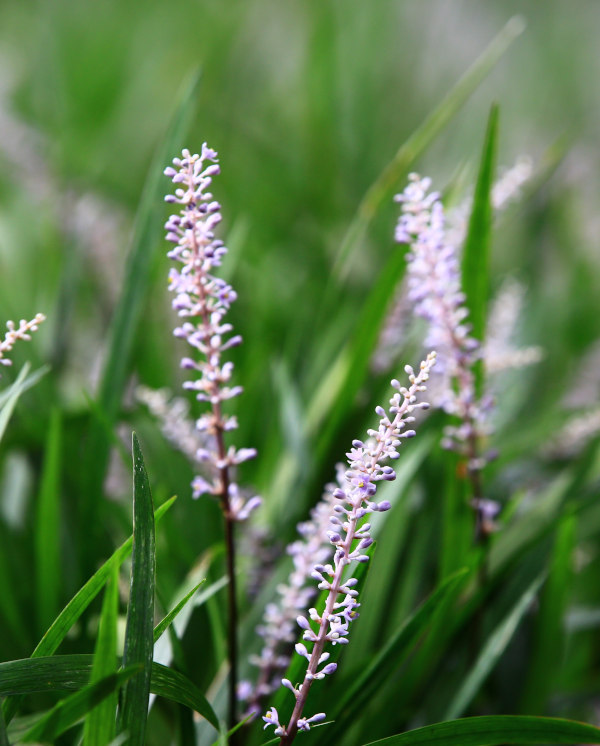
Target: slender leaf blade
{"points": [[476, 253], [139, 638], [382, 188], [47, 527], [492, 650], [69, 710], [170, 617], [492, 730], [99, 726]]}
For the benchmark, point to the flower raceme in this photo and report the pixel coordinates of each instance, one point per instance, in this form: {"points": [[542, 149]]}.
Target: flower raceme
{"points": [[14, 333], [350, 537], [202, 301]]}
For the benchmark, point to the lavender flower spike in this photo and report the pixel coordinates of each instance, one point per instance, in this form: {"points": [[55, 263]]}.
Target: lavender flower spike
{"points": [[202, 301], [205, 299], [350, 538], [23, 331]]}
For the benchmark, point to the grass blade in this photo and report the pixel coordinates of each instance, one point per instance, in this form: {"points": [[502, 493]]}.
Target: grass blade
{"points": [[170, 617], [68, 711], [420, 139], [139, 638], [362, 687], [147, 229], [493, 730], [475, 261], [47, 528], [176, 686], [492, 650], [99, 726], [78, 604]]}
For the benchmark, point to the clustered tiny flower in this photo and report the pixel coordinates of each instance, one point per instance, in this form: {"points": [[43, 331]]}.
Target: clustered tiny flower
{"points": [[434, 283], [279, 628], [202, 301], [14, 333], [350, 537]]}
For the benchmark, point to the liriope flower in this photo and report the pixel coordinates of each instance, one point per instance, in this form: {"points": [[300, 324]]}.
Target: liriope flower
{"points": [[202, 301], [350, 537], [15, 333], [278, 628]]}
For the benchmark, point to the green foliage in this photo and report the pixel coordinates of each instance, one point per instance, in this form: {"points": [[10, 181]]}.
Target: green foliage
{"points": [[318, 111]]}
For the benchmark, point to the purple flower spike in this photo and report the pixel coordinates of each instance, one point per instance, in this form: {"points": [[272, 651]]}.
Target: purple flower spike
{"points": [[202, 300], [359, 485]]}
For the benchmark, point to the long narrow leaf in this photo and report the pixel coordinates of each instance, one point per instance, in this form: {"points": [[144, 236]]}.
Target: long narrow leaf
{"points": [[139, 638], [382, 188], [68, 711], [78, 604], [99, 726], [147, 229], [475, 261], [47, 528], [170, 617], [491, 652], [64, 672], [493, 730], [391, 656]]}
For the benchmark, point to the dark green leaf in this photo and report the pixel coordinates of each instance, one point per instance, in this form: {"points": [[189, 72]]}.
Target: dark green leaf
{"points": [[491, 652], [476, 253], [68, 711], [495, 729], [99, 726], [47, 527], [139, 637], [77, 605], [60, 672], [391, 656]]}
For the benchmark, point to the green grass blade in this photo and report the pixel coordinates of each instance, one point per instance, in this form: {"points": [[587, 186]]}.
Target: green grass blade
{"points": [[548, 637], [47, 528], [491, 652], [47, 674], [362, 687], [139, 638], [383, 187], [99, 726], [175, 686], [77, 605], [3, 735], [170, 617], [64, 672], [493, 730], [68, 711], [10, 398], [147, 232], [326, 420], [476, 253]]}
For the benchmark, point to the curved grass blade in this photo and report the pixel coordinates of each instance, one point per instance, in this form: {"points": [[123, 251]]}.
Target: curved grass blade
{"points": [[68, 711], [176, 686], [420, 139], [548, 637], [359, 690], [493, 730], [492, 650], [139, 638], [10, 397], [122, 333], [64, 672], [475, 260], [99, 726], [47, 528], [78, 604], [170, 617]]}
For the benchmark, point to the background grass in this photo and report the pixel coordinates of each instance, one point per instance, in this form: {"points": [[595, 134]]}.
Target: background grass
{"points": [[306, 102]]}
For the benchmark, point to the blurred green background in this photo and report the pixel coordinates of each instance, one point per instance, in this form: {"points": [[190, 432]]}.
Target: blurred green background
{"points": [[306, 103]]}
